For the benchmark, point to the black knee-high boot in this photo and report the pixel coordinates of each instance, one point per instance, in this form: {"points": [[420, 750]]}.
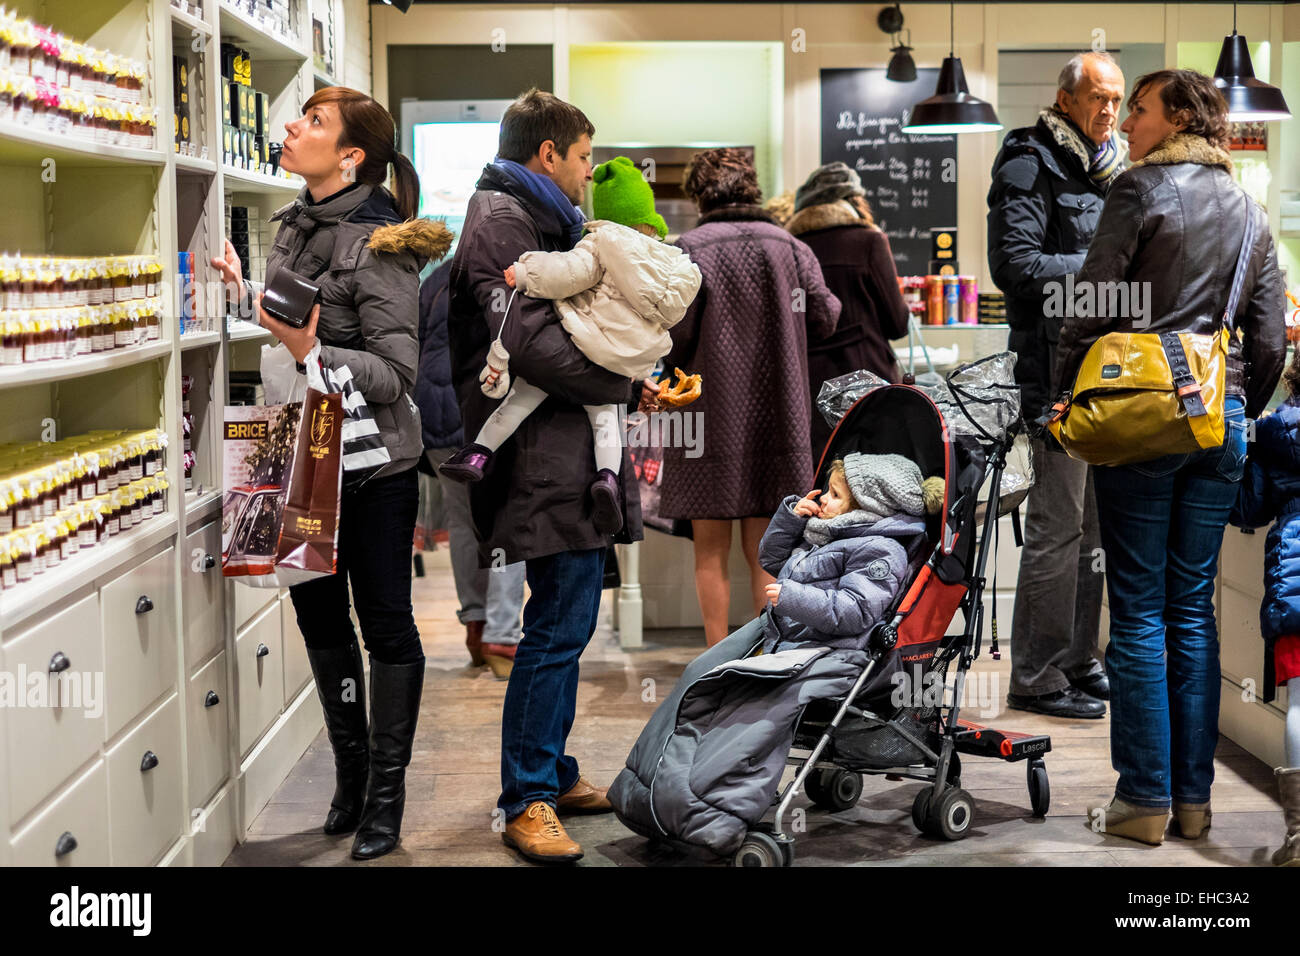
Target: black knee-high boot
{"points": [[394, 709], [341, 687]]}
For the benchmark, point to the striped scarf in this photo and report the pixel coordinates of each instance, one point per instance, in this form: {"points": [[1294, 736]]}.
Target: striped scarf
{"points": [[1105, 163]]}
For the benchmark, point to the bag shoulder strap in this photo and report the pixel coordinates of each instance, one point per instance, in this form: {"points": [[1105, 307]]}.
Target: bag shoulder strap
{"points": [[1243, 265]]}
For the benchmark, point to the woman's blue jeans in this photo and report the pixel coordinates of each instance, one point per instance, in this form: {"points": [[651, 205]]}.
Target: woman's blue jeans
{"points": [[1161, 525]]}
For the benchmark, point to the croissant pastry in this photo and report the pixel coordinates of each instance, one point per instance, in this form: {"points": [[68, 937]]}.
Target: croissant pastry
{"points": [[684, 392]]}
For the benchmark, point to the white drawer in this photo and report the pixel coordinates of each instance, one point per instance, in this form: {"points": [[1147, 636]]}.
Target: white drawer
{"points": [[139, 645], [81, 811], [214, 833], [250, 601], [144, 805], [46, 742], [1241, 648], [207, 705], [260, 677], [297, 668], [202, 594]]}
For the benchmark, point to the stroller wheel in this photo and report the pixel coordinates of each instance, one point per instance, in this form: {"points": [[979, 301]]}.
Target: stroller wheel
{"points": [[1040, 793], [951, 815], [834, 790], [762, 849], [921, 809]]}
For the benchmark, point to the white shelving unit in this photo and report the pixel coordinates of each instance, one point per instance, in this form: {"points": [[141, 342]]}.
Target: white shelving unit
{"points": [[213, 678]]}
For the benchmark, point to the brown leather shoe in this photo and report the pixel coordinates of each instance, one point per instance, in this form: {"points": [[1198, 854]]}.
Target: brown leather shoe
{"points": [[582, 797], [474, 642], [538, 834], [501, 658]]}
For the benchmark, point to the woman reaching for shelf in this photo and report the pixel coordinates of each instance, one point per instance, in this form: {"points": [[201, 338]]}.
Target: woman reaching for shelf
{"points": [[364, 247]]}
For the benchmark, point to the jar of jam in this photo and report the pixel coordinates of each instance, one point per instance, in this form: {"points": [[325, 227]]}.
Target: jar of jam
{"points": [[86, 535], [152, 456], [6, 509], [11, 342], [8, 574], [160, 504], [40, 542], [114, 514], [153, 274], [89, 476], [135, 459], [57, 550], [23, 505], [24, 559]]}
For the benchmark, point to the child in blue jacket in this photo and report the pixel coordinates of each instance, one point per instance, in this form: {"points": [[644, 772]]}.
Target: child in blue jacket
{"points": [[1270, 489]]}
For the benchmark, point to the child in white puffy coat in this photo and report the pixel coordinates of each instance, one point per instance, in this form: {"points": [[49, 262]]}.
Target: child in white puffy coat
{"points": [[618, 292]]}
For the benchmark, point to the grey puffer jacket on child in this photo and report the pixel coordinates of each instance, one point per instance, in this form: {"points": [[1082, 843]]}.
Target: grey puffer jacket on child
{"points": [[834, 593]]}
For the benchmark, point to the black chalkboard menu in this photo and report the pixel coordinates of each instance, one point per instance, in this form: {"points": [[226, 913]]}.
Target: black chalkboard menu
{"points": [[904, 175]]}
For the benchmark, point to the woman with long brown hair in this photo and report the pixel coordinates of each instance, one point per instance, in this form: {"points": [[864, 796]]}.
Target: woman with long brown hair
{"points": [[1174, 223], [364, 246]]}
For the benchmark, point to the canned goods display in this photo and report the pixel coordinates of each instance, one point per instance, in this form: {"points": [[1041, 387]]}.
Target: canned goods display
{"points": [[970, 300], [951, 300], [934, 300]]}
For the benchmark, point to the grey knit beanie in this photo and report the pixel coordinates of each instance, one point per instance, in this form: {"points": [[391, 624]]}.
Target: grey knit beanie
{"points": [[828, 183], [884, 485]]}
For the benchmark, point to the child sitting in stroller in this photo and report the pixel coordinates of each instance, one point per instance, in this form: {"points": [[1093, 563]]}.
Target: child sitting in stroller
{"points": [[840, 562]]}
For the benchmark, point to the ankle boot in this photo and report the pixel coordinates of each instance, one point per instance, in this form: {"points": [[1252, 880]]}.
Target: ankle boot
{"points": [[394, 709], [1191, 819], [1288, 784], [607, 503], [341, 687], [1123, 819]]}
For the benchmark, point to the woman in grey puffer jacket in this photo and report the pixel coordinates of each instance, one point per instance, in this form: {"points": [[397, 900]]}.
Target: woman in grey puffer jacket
{"points": [[364, 247], [840, 562]]}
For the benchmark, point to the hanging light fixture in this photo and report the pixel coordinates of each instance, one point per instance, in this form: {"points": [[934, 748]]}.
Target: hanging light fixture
{"points": [[902, 68], [952, 109], [401, 5], [1248, 98]]}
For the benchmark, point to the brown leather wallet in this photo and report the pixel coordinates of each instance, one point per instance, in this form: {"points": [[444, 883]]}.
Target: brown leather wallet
{"points": [[289, 298]]}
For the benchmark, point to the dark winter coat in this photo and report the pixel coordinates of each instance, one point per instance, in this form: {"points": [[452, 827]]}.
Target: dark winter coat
{"points": [[434, 393], [858, 267], [747, 334], [367, 262], [834, 594], [1174, 223], [534, 500], [1043, 211], [1270, 489]]}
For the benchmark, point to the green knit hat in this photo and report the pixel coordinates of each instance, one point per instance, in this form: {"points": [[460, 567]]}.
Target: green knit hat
{"points": [[622, 195]]}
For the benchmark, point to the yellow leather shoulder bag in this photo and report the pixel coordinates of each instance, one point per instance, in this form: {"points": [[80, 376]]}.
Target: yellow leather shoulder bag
{"points": [[1140, 395]]}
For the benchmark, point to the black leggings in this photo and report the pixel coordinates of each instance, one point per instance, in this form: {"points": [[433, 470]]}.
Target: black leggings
{"points": [[376, 534]]}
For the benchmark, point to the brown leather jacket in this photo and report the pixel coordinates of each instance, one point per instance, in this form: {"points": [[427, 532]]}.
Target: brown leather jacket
{"points": [[1175, 222]]}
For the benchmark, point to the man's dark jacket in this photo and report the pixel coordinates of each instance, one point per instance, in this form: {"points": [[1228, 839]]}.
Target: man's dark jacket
{"points": [[1043, 211], [534, 499]]}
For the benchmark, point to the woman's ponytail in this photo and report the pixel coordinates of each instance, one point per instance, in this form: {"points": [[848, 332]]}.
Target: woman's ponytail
{"points": [[406, 186]]}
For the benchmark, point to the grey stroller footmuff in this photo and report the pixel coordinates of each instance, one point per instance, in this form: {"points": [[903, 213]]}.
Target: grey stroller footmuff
{"points": [[707, 766]]}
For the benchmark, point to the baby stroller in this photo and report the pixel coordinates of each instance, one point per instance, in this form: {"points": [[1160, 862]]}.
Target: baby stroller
{"points": [[907, 725]]}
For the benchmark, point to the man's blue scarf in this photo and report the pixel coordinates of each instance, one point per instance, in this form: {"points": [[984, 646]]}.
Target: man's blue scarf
{"points": [[544, 190]]}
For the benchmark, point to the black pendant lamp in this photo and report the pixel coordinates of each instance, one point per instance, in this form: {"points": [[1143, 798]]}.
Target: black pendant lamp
{"points": [[902, 68], [952, 109], [1248, 99]]}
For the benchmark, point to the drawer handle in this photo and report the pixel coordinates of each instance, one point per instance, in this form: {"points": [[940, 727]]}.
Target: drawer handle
{"points": [[66, 844], [209, 562], [59, 663], [212, 699], [263, 650], [148, 761], [144, 605]]}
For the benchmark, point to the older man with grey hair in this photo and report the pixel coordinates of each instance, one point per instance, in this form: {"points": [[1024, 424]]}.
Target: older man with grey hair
{"points": [[1049, 184]]}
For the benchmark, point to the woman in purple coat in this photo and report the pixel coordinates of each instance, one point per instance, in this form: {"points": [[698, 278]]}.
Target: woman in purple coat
{"points": [[747, 333]]}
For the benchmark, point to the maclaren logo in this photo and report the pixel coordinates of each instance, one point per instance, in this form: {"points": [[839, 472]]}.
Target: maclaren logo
{"points": [[322, 424]]}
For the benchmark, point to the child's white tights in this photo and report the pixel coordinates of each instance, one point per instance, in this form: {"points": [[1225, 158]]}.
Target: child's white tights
{"points": [[523, 399]]}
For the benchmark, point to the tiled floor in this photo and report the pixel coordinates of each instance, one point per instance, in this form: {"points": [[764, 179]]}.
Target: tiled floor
{"points": [[453, 780]]}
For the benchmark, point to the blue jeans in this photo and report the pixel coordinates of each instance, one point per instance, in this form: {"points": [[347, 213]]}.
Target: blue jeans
{"points": [[1162, 525], [542, 695]]}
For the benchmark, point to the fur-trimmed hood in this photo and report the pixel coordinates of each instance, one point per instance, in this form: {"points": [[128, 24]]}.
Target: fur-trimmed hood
{"points": [[824, 216], [427, 238], [1186, 148]]}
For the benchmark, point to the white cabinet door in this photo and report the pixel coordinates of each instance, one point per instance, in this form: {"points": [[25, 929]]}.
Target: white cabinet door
{"points": [[207, 704], [259, 667], [140, 646], [202, 594], [145, 814], [57, 722], [72, 831]]}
